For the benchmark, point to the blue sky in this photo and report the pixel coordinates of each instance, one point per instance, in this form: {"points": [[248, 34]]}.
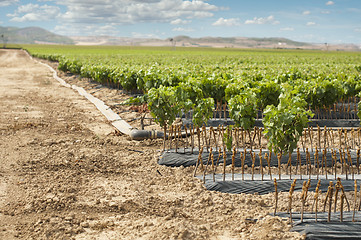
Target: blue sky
{"points": [[316, 21]]}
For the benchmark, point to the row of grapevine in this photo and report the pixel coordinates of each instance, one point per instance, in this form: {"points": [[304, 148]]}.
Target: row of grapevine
{"points": [[280, 85], [319, 91]]}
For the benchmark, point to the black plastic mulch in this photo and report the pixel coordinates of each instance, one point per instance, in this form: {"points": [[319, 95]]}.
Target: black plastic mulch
{"points": [[323, 230], [258, 186], [185, 157]]}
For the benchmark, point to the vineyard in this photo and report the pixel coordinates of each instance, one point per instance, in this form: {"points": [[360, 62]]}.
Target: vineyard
{"points": [[247, 120]]}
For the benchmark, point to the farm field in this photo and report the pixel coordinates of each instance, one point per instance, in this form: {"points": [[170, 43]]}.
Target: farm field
{"points": [[288, 92], [199, 75], [126, 197], [239, 85]]}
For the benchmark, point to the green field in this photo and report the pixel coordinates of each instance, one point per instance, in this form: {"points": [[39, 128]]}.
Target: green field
{"points": [[284, 84], [217, 71]]}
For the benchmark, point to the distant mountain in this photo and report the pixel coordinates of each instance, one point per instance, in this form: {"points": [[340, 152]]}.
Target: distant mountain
{"points": [[218, 42], [31, 35], [236, 42], [240, 42]]}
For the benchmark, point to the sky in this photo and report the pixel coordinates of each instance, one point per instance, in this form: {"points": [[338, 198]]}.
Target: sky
{"points": [[315, 21]]}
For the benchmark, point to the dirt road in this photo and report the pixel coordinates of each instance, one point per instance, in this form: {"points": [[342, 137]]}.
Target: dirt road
{"points": [[64, 174]]}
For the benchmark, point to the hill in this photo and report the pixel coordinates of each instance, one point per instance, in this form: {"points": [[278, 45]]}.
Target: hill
{"points": [[218, 42], [31, 35], [185, 41]]}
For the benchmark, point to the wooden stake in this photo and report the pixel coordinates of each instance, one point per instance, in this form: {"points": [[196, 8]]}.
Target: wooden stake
{"points": [[260, 138], [208, 161], [319, 136], [215, 139], [199, 161], [316, 198], [199, 138], [170, 136], [279, 156], [224, 163], [289, 163], [299, 161], [253, 156], [346, 138], [185, 139], [243, 134], [276, 196], [233, 161], [222, 136], [293, 185], [260, 163], [236, 136], [341, 160], [204, 130], [343, 192], [192, 138], [269, 164], [310, 136], [337, 189], [242, 165], [210, 137], [357, 161], [302, 141], [213, 172], [324, 160], [330, 201], [349, 158], [308, 163], [176, 133], [335, 160], [316, 162], [345, 163]]}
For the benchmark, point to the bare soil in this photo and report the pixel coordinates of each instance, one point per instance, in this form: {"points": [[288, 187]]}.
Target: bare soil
{"points": [[65, 173]]}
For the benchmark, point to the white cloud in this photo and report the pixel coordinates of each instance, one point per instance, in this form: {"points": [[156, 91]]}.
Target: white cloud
{"points": [[82, 17], [227, 22], [306, 13], [325, 12], [180, 29], [267, 20], [329, 3], [180, 22], [34, 12], [5, 3], [310, 24], [357, 29], [128, 12], [287, 29]]}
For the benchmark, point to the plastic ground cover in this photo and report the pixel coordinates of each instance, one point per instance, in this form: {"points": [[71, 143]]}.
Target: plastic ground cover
{"points": [[323, 230], [249, 186], [185, 158]]}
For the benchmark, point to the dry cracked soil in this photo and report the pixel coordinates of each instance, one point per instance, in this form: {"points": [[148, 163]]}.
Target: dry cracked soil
{"points": [[65, 173]]}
